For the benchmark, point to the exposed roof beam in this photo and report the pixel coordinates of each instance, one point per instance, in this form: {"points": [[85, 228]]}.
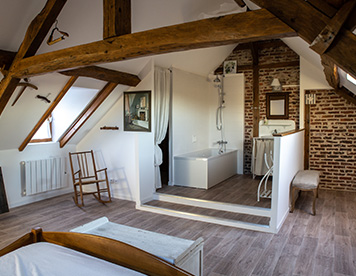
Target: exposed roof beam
{"points": [[117, 18], [241, 3], [234, 28], [7, 88], [39, 28], [351, 21], [255, 88], [336, 3], [260, 44], [86, 113], [308, 23], [104, 74], [324, 39], [35, 34], [324, 7], [59, 97], [332, 77], [6, 58]]}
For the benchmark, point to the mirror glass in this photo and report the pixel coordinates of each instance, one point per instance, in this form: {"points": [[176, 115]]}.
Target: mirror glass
{"points": [[277, 105]]}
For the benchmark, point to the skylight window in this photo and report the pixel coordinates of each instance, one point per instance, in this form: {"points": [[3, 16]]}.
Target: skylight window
{"points": [[44, 133], [351, 79]]}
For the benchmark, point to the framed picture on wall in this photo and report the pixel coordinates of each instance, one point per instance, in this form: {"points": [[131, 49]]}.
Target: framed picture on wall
{"points": [[230, 67], [137, 111]]}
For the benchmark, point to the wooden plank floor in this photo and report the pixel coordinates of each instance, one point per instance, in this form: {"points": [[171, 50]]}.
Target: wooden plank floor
{"points": [[239, 189], [324, 244]]}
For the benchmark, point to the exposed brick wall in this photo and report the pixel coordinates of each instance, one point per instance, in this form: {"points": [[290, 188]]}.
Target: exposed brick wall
{"points": [[286, 75], [333, 141]]}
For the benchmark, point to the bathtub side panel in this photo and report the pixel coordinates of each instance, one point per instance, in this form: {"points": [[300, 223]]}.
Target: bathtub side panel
{"points": [[190, 173], [221, 168]]}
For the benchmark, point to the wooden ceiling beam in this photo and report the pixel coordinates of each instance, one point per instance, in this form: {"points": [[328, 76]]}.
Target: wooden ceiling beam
{"points": [[336, 3], [104, 74], [49, 111], [6, 58], [86, 113], [7, 88], [35, 34], [332, 77], [308, 23], [324, 7], [229, 29], [117, 18], [255, 88], [241, 3], [39, 28], [351, 21], [260, 44], [324, 39]]}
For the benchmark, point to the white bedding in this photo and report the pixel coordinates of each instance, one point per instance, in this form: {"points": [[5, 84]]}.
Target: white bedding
{"points": [[50, 260]]}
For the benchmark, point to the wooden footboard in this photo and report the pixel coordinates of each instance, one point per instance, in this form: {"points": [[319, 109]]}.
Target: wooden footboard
{"points": [[103, 248]]}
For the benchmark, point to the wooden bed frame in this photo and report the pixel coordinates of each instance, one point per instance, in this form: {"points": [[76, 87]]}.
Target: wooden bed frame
{"points": [[103, 248]]}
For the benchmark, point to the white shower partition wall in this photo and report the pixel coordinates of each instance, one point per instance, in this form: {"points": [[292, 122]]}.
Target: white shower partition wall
{"points": [[288, 160]]}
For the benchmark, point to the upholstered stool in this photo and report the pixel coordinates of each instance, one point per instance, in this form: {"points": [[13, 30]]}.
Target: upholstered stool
{"points": [[305, 180]]}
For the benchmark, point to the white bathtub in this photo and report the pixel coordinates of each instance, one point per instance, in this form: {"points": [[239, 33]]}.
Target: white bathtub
{"points": [[205, 168]]}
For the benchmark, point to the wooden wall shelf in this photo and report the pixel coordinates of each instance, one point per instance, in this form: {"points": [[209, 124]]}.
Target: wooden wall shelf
{"points": [[109, 128]]}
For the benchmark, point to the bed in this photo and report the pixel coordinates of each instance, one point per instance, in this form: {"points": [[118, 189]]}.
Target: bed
{"points": [[69, 253]]}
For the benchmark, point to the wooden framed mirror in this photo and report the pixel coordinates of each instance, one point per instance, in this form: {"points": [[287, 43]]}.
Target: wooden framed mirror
{"points": [[277, 105]]}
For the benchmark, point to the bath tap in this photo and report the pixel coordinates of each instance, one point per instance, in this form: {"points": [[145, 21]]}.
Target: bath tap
{"points": [[222, 146], [274, 131]]}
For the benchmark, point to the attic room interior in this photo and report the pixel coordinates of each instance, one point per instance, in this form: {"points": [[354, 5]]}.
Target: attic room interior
{"points": [[203, 118]]}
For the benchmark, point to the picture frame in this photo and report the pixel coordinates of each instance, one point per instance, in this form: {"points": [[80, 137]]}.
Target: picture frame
{"points": [[137, 111], [230, 67]]}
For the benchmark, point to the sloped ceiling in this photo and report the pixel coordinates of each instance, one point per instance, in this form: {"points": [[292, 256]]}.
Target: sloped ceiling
{"points": [[83, 20]]}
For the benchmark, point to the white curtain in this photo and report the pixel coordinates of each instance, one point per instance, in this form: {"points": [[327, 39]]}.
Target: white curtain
{"points": [[162, 87]]}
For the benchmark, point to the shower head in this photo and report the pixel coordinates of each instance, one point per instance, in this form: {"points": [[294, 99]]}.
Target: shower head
{"points": [[217, 80]]}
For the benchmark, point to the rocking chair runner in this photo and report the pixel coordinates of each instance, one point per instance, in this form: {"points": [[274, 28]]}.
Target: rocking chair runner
{"points": [[84, 173]]}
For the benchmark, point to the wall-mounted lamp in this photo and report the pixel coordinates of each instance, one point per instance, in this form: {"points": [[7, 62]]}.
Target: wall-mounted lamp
{"points": [[276, 85]]}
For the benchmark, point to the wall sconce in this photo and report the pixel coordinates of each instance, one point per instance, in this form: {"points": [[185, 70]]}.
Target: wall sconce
{"points": [[276, 85]]}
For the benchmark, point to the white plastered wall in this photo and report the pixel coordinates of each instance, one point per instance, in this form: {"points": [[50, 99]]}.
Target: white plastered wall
{"points": [[311, 77], [127, 155]]}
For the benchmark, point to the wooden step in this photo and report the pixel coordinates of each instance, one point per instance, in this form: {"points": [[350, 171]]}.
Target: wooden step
{"points": [[209, 213]]}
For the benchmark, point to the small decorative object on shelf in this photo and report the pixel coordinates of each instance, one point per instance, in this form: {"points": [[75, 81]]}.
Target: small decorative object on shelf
{"points": [[109, 128]]}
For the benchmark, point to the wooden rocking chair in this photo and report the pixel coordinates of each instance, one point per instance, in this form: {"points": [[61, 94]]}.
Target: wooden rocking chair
{"points": [[84, 173]]}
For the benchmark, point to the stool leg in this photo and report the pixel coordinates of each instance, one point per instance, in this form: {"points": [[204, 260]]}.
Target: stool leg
{"points": [[315, 192], [292, 200]]}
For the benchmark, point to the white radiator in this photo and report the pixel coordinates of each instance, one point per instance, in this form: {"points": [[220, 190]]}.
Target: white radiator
{"points": [[39, 176]]}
